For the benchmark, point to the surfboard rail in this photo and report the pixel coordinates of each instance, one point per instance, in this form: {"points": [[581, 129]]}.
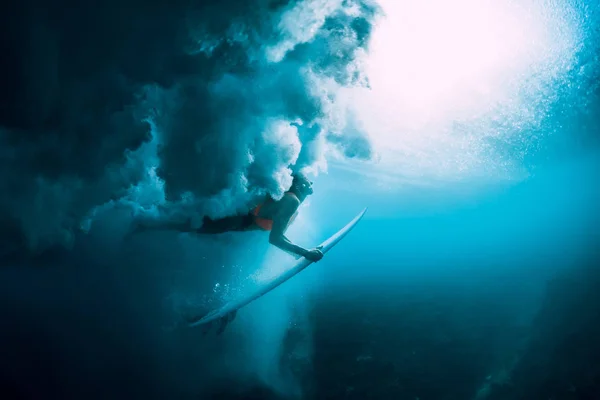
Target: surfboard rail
{"points": [[234, 305]]}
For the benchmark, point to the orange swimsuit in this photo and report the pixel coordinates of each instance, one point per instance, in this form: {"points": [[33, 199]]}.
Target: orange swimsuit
{"points": [[266, 224]]}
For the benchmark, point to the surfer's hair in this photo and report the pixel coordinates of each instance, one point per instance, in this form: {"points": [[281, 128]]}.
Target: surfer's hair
{"points": [[299, 178], [301, 185]]}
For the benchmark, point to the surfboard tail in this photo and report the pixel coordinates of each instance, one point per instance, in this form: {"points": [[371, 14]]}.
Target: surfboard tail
{"points": [[192, 319], [222, 322]]}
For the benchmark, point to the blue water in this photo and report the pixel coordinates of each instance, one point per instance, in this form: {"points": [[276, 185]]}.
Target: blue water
{"points": [[473, 274]]}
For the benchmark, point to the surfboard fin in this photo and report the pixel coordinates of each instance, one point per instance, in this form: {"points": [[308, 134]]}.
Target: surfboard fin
{"points": [[226, 320], [222, 325]]}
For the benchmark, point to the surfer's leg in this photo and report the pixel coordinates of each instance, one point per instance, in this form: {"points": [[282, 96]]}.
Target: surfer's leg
{"points": [[154, 224], [209, 226], [227, 224]]}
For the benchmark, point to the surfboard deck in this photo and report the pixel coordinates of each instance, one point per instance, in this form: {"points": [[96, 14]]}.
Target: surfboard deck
{"points": [[227, 312]]}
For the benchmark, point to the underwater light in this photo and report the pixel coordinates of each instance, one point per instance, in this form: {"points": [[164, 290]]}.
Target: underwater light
{"points": [[433, 55], [452, 81]]}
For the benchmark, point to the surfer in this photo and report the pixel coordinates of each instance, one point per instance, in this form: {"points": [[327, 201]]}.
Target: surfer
{"points": [[273, 216]]}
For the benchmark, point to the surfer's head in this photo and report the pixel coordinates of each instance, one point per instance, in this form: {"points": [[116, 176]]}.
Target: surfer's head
{"points": [[301, 185]]}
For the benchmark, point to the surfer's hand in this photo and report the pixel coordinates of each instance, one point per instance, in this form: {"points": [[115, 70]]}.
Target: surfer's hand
{"points": [[314, 255]]}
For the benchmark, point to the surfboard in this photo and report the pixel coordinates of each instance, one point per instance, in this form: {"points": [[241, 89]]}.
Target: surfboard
{"points": [[226, 313]]}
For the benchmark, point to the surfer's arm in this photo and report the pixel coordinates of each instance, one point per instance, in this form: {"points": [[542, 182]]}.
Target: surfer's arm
{"points": [[288, 206], [286, 245]]}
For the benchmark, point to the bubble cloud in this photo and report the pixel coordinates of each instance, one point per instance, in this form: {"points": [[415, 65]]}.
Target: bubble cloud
{"points": [[197, 107]]}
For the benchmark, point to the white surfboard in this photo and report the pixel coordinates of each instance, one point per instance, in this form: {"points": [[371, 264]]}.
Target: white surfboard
{"points": [[226, 313]]}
